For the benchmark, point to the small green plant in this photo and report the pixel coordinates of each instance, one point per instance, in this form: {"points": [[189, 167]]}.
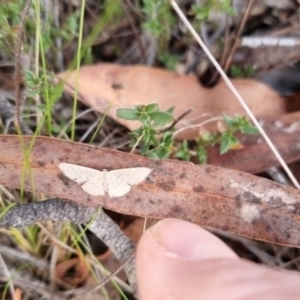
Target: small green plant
{"points": [[202, 12], [157, 141], [241, 72], [226, 139], [10, 12], [158, 20], [158, 16], [34, 84], [169, 60], [9, 19], [183, 151], [152, 120], [37, 85]]}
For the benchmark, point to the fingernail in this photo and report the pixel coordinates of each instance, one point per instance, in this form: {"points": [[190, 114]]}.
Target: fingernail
{"points": [[187, 240]]}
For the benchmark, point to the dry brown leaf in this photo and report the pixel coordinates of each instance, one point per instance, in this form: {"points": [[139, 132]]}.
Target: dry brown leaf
{"points": [[108, 87], [207, 195], [80, 272], [75, 271]]}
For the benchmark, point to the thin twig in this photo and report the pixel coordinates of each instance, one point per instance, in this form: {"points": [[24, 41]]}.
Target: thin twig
{"points": [[18, 75], [236, 93], [238, 34], [210, 120], [177, 120]]}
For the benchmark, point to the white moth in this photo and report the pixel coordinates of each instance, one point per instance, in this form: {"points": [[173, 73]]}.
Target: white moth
{"points": [[115, 183]]}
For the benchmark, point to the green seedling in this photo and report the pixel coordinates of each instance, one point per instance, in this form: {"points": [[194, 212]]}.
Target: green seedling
{"points": [[158, 21], [169, 60], [202, 12], [241, 72], [226, 139], [153, 121], [156, 141]]}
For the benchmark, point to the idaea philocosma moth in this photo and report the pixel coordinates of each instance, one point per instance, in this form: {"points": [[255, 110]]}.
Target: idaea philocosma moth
{"points": [[115, 183]]}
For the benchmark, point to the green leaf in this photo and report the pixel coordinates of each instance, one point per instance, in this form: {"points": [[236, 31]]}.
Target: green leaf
{"points": [[154, 27], [241, 72], [202, 155], [249, 129], [135, 133], [128, 114], [152, 155], [146, 137], [228, 141], [183, 152], [148, 134], [150, 116], [224, 146], [234, 142], [228, 120], [206, 136], [144, 118], [171, 110], [167, 139], [150, 108], [201, 13], [162, 153], [161, 118], [169, 60], [72, 23]]}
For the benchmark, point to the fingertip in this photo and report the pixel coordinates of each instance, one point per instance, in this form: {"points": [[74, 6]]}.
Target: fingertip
{"points": [[186, 240], [172, 251], [179, 260]]}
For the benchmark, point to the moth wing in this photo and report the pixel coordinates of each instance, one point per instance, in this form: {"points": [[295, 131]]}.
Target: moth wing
{"points": [[95, 185], [137, 175], [78, 173], [120, 181]]}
